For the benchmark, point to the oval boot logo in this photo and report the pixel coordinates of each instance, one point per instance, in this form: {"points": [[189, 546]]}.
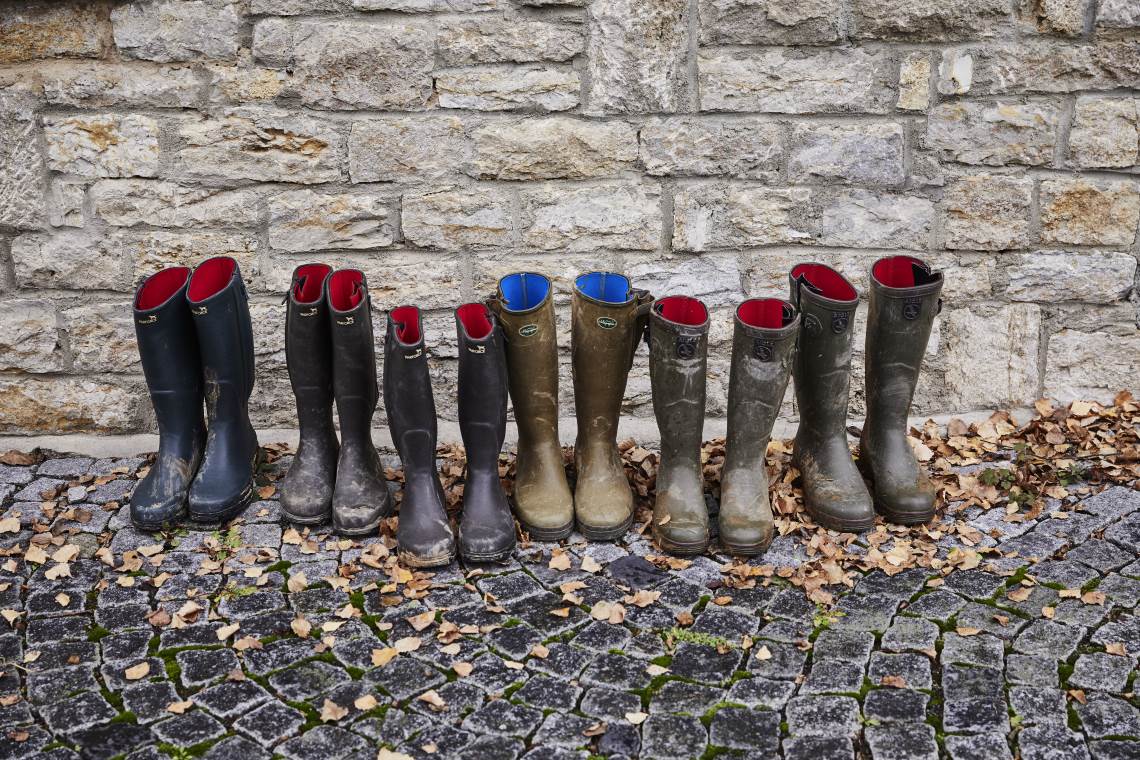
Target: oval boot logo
{"points": [[812, 325], [686, 347], [607, 323], [912, 307], [528, 330], [762, 349], [839, 321]]}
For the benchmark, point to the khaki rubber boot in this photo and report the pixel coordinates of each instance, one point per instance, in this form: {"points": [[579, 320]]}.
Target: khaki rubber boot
{"points": [[678, 347], [609, 319], [763, 348], [834, 492], [903, 303], [525, 308]]}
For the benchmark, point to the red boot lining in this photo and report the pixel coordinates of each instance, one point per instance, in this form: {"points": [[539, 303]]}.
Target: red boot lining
{"points": [[407, 321], [309, 281], [210, 277], [683, 310], [896, 271], [767, 313], [345, 289], [160, 286], [826, 281], [473, 317]]}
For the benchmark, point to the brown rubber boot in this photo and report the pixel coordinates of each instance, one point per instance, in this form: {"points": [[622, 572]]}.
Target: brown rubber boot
{"points": [[763, 348], [678, 347], [609, 319], [525, 308], [834, 492], [903, 303]]}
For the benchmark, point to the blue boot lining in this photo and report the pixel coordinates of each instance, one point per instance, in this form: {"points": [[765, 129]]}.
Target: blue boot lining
{"points": [[523, 291], [609, 287]]}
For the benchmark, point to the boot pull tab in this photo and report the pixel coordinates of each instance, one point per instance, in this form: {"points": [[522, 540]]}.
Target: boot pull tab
{"points": [[938, 308], [297, 284], [644, 301], [494, 304]]}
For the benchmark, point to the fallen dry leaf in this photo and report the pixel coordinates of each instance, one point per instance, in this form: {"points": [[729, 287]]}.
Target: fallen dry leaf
{"points": [[331, 711], [135, 672]]}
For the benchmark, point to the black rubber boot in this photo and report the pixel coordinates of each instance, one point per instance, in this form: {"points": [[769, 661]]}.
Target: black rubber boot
{"points": [[678, 346], [487, 529], [903, 304], [424, 535], [360, 497], [834, 492], [168, 347], [763, 347], [218, 301], [307, 489]]}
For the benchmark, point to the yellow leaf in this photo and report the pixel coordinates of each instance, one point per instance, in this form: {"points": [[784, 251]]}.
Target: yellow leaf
{"points": [[301, 627], [963, 630], [179, 707], [297, 582], [332, 711], [62, 599], [1116, 648], [226, 631], [590, 565], [381, 657], [422, 621], [407, 644], [365, 703], [135, 672], [432, 698], [462, 669], [11, 616], [387, 754], [559, 561], [540, 651], [763, 653]]}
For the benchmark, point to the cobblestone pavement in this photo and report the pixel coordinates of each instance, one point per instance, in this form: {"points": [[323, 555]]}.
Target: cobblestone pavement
{"points": [[115, 645]]}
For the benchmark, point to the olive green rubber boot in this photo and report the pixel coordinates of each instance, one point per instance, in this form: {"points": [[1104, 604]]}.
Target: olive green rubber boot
{"points": [[678, 347], [608, 323], [763, 348], [525, 308], [903, 304], [834, 492]]}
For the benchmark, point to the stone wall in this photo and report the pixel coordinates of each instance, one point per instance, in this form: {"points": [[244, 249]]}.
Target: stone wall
{"points": [[701, 146]]}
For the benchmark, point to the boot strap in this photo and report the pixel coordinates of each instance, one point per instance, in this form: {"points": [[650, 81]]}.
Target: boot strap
{"points": [[644, 301]]}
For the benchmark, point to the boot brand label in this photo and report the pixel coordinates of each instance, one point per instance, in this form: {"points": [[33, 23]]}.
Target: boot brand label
{"points": [[912, 307], [607, 323], [414, 354], [346, 321], [199, 311], [687, 347], [839, 321], [477, 349], [148, 320], [762, 349], [528, 330], [812, 325], [310, 313]]}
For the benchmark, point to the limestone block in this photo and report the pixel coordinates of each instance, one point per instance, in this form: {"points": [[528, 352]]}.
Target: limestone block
{"points": [[551, 148], [178, 30], [454, 219], [131, 202], [102, 145], [29, 340], [864, 154], [1105, 133], [1089, 212], [41, 29], [582, 218], [986, 213], [748, 148], [1056, 276], [990, 355], [406, 148], [769, 22], [305, 220], [73, 404], [993, 134], [636, 55], [503, 88]]}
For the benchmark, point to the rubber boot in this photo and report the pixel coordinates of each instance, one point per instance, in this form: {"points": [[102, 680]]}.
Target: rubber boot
{"points": [[168, 347], [763, 348], [678, 347], [542, 500], [486, 529], [307, 489], [360, 497], [834, 492], [424, 535], [903, 304], [609, 321], [220, 306]]}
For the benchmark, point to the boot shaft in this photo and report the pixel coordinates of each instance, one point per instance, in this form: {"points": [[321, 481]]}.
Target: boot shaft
{"points": [[764, 339], [482, 386], [166, 336], [678, 350], [609, 319], [308, 340], [408, 398], [524, 307], [827, 303], [903, 302], [353, 353], [220, 307]]}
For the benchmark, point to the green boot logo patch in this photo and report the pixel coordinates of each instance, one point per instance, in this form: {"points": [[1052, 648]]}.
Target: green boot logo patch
{"points": [[528, 330], [607, 323]]}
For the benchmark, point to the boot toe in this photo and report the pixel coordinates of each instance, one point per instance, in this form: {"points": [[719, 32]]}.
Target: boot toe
{"points": [[306, 502], [683, 537], [357, 519], [746, 539], [908, 507], [152, 514], [487, 543], [216, 505]]}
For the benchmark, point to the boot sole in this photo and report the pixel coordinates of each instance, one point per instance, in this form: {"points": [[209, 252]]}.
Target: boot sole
{"points": [[745, 550], [499, 557], [850, 526], [605, 534], [415, 560], [230, 512], [548, 534], [904, 518], [362, 531], [154, 527], [679, 547], [311, 520]]}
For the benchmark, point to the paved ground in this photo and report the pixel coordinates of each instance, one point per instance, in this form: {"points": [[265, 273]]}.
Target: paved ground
{"points": [[251, 640]]}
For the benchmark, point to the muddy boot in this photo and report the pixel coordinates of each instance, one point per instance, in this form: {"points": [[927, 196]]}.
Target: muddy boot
{"points": [[542, 500], [168, 347], [486, 529], [678, 346], [220, 306], [307, 489], [609, 321], [763, 347], [834, 492], [360, 497], [424, 535], [903, 303]]}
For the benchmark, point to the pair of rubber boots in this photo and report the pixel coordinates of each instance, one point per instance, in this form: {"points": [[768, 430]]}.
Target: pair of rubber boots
{"points": [[810, 337], [607, 324], [331, 357], [196, 346]]}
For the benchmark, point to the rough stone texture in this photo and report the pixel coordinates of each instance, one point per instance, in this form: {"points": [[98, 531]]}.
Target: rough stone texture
{"points": [[636, 55], [701, 146]]}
